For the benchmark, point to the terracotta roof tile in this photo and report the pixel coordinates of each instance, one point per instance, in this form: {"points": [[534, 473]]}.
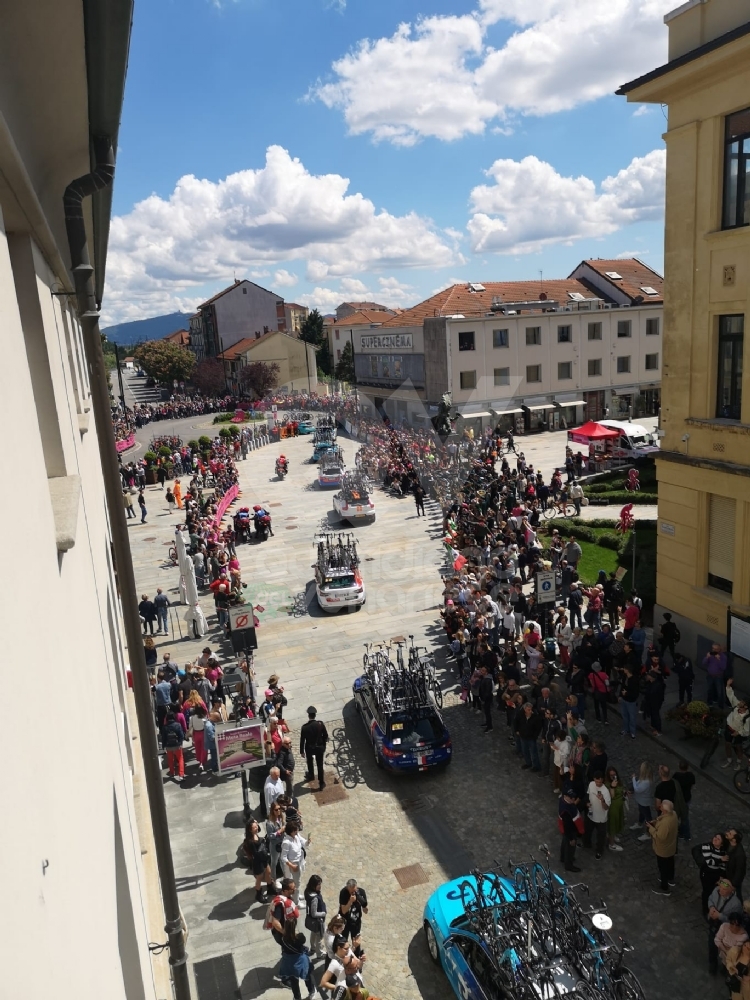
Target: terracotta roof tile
{"points": [[363, 318], [459, 299], [635, 277]]}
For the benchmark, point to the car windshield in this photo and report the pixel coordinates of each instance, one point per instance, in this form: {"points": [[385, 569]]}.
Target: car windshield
{"points": [[339, 582], [414, 732]]}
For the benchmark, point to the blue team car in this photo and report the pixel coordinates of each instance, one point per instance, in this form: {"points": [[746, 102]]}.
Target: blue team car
{"points": [[407, 734]]}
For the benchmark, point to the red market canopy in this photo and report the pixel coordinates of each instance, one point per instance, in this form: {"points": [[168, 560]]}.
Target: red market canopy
{"points": [[591, 431]]}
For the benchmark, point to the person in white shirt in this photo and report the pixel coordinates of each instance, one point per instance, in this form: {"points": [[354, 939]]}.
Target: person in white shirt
{"points": [[273, 787], [599, 802], [576, 495], [293, 858], [564, 637]]}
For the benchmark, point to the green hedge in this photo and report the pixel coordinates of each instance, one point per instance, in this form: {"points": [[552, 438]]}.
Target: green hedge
{"points": [[223, 418], [623, 497]]}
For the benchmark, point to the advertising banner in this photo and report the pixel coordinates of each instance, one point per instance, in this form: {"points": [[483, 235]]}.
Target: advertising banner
{"points": [[241, 747]]}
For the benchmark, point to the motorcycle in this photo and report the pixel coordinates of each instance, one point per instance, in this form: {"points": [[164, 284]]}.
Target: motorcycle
{"points": [[281, 468], [262, 527]]}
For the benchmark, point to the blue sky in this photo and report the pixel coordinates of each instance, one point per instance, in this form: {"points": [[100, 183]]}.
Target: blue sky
{"points": [[478, 142]]}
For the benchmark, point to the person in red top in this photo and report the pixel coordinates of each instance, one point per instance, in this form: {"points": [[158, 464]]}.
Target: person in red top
{"points": [[632, 614]]}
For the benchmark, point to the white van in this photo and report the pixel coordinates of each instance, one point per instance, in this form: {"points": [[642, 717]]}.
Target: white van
{"points": [[634, 441]]}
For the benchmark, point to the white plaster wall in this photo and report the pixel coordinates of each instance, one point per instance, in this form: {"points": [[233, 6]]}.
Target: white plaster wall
{"points": [[68, 754], [242, 314]]}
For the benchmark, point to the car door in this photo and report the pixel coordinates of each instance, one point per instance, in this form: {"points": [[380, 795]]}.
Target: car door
{"points": [[459, 952]]}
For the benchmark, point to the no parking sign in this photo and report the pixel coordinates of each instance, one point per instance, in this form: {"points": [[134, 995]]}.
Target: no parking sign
{"points": [[545, 588]]}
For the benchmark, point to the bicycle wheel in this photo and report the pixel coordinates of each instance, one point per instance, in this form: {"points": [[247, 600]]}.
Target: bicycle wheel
{"points": [[438, 694], [627, 987], [742, 780], [550, 511], [709, 753]]}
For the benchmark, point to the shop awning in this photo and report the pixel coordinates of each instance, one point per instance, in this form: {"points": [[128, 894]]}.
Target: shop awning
{"points": [[470, 416], [570, 402], [540, 406], [507, 413]]}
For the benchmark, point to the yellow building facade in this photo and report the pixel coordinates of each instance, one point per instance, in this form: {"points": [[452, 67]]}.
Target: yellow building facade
{"points": [[704, 465]]}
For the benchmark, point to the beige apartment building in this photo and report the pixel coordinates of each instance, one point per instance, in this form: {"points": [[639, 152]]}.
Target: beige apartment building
{"points": [[704, 464], [296, 360], [81, 895], [532, 355]]}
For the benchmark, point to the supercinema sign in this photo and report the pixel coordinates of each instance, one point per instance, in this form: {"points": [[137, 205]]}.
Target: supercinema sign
{"points": [[387, 342]]}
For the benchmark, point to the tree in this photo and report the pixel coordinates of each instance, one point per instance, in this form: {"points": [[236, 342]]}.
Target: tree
{"points": [[209, 376], [345, 366], [313, 329], [260, 377], [164, 361]]}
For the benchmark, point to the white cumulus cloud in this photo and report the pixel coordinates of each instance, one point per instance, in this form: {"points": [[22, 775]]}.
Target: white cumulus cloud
{"points": [[441, 77], [284, 279], [530, 205], [167, 248]]}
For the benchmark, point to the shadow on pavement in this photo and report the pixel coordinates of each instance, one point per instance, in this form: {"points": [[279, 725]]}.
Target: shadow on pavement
{"points": [[428, 976], [236, 907]]}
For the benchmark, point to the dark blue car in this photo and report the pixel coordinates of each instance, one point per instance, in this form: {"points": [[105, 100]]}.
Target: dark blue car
{"points": [[403, 740]]}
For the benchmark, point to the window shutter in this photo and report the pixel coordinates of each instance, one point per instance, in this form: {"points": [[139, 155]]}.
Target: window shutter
{"points": [[721, 537]]}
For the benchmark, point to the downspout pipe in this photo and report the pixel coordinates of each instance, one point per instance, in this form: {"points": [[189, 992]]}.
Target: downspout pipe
{"points": [[83, 274]]}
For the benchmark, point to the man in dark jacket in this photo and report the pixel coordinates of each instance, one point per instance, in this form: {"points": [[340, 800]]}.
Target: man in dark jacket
{"points": [[575, 601], [485, 691], [529, 727], [147, 611], [285, 763], [629, 690], [654, 699], [736, 860], [312, 743]]}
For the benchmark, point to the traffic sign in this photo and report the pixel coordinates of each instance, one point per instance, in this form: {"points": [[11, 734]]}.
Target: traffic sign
{"points": [[241, 617], [545, 588]]}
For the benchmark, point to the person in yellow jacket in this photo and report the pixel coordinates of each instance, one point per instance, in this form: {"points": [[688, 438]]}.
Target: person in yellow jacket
{"points": [[663, 832]]}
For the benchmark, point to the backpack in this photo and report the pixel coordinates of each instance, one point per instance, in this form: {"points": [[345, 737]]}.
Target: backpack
{"points": [[171, 740]]}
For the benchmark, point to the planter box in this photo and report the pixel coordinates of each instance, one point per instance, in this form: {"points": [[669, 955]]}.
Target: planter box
{"points": [[151, 478]]}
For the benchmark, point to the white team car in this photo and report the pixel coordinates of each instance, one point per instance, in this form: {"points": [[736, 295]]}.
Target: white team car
{"points": [[354, 502]]}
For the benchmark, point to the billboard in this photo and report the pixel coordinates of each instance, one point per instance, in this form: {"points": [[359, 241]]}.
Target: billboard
{"points": [[241, 747]]}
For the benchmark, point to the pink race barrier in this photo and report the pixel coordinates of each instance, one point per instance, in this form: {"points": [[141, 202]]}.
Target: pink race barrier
{"points": [[231, 494], [125, 443]]}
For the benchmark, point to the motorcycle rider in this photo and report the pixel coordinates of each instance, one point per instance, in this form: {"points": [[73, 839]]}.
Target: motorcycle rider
{"points": [[261, 512], [282, 464]]}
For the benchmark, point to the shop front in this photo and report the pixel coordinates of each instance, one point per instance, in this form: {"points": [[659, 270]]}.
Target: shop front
{"points": [[536, 417], [567, 413], [595, 405], [509, 420]]}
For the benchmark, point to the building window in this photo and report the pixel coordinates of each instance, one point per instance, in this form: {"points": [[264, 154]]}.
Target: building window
{"points": [[721, 514], [337, 334], [533, 372], [623, 365], [652, 326], [652, 362], [338, 353], [466, 341], [737, 170], [244, 291], [500, 338], [564, 370], [595, 367], [729, 390], [533, 335], [623, 328], [468, 380], [502, 376], [595, 331], [564, 334]]}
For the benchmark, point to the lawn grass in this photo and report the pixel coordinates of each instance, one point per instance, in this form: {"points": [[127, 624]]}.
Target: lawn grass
{"points": [[594, 558]]}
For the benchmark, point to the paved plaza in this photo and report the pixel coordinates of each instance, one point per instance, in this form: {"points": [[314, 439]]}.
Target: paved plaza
{"points": [[483, 809]]}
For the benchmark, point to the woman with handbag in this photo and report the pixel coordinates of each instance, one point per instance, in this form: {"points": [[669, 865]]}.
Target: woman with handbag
{"points": [[255, 852], [295, 961], [315, 919], [275, 824]]}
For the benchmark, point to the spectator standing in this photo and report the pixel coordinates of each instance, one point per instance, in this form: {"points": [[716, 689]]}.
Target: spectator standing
{"points": [[600, 801], [713, 863], [293, 855], [147, 611], [172, 737], [485, 691], [315, 921], [142, 505], [572, 553], [273, 787], [285, 763], [737, 728], [654, 699], [683, 668], [161, 604], [599, 684], [736, 860], [685, 779], [629, 691], [529, 728], [715, 664], [575, 603], [663, 831], [722, 903], [616, 814], [352, 904], [669, 635]]}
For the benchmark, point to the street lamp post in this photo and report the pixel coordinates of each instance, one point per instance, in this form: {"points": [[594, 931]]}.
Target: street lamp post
{"points": [[119, 376]]}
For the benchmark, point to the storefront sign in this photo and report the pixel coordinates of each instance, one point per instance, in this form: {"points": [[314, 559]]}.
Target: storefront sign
{"points": [[387, 342], [666, 528], [241, 747]]}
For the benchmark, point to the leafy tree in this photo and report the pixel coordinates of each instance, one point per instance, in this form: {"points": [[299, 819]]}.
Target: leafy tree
{"points": [[313, 329], [209, 376], [345, 366], [260, 377], [164, 361]]}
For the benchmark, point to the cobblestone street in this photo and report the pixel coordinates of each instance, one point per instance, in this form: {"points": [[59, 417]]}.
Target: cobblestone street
{"points": [[483, 809]]}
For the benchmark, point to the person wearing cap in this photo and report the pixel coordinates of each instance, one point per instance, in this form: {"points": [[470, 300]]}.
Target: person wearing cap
{"points": [[312, 743], [355, 990]]}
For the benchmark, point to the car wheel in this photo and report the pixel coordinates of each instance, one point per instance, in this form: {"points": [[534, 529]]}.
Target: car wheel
{"points": [[432, 945]]}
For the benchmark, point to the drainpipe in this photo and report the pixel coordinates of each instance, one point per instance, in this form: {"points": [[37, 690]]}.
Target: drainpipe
{"points": [[88, 314]]}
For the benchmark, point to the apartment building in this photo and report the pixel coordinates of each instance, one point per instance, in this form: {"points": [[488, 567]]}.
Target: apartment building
{"points": [[82, 899], [528, 355], [242, 310], [296, 359], [295, 315], [704, 462], [341, 332]]}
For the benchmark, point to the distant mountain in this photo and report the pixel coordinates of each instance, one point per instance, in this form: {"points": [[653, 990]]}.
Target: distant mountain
{"points": [[147, 329]]}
